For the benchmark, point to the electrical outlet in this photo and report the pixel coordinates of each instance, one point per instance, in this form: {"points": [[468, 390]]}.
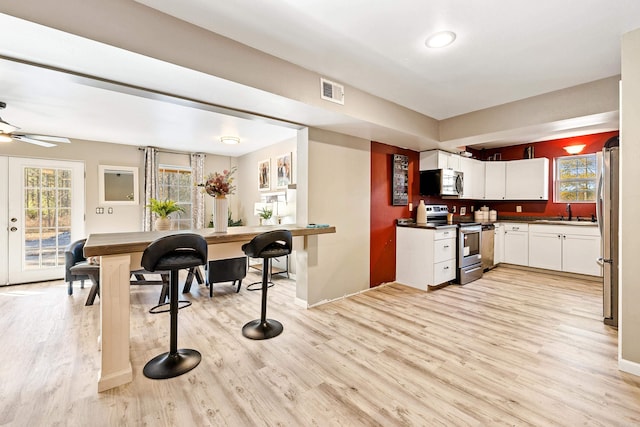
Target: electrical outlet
{"points": [[518, 208], [463, 210], [453, 210]]}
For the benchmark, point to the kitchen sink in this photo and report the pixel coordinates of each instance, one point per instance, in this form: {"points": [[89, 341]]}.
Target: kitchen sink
{"points": [[560, 222]]}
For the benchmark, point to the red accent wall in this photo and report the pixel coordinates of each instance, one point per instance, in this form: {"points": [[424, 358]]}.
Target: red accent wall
{"points": [[549, 149], [382, 266], [384, 215]]}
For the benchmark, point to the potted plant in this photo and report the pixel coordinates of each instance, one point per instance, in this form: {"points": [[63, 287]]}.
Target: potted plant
{"points": [[265, 213], [163, 208]]}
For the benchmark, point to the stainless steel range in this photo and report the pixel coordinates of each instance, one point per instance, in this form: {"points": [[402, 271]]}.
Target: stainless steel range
{"points": [[469, 242], [469, 253]]}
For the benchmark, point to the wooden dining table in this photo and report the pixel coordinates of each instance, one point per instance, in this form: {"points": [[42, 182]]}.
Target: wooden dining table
{"points": [[120, 253]]}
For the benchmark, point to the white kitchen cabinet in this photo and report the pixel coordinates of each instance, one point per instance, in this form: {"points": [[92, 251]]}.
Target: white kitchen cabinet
{"points": [[527, 179], [494, 180], [425, 257], [473, 176], [438, 159], [516, 243], [545, 250], [569, 248], [498, 244]]}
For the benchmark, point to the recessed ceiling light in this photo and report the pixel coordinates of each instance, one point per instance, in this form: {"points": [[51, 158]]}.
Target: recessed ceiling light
{"points": [[230, 140], [440, 39]]}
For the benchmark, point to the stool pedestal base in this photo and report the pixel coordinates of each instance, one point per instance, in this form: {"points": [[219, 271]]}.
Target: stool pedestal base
{"points": [[167, 365], [259, 330]]}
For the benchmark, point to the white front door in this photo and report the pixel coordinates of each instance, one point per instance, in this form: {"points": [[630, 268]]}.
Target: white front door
{"points": [[43, 213]]}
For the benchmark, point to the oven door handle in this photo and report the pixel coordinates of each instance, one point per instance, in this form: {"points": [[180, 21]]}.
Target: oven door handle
{"points": [[472, 270]]}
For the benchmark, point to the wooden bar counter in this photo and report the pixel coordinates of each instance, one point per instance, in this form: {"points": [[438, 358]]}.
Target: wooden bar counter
{"points": [[120, 253]]}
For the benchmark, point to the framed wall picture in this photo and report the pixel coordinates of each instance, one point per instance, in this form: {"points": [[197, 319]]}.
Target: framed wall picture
{"points": [[283, 168], [264, 175], [400, 180]]}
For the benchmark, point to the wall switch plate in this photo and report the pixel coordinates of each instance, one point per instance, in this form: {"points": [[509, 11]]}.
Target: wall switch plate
{"points": [[453, 210], [518, 208], [463, 210]]}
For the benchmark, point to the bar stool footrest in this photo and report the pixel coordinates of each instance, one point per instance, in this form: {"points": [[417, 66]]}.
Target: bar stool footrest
{"points": [[251, 287], [155, 309]]}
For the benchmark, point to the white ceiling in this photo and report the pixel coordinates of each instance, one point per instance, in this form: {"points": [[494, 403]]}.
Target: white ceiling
{"points": [[505, 51]]}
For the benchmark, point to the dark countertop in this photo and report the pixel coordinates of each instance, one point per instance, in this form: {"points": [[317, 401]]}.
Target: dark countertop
{"points": [[506, 219], [428, 225]]}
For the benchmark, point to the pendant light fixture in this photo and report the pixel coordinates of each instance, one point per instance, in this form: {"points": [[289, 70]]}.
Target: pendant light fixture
{"points": [[575, 149]]}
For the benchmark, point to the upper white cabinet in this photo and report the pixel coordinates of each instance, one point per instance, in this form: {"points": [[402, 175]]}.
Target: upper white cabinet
{"points": [[494, 180], [527, 179], [436, 159], [474, 178]]}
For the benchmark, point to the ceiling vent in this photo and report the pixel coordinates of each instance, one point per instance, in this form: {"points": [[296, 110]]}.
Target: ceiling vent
{"points": [[331, 91]]}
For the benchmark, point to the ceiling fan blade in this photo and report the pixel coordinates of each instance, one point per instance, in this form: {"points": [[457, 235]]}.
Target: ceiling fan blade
{"points": [[7, 127], [23, 138], [49, 138]]}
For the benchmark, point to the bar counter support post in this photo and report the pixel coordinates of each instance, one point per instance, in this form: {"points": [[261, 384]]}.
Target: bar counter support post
{"points": [[114, 320]]}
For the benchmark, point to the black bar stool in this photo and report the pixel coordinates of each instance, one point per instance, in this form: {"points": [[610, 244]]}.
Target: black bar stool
{"points": [[271, 244], [173, 253]]}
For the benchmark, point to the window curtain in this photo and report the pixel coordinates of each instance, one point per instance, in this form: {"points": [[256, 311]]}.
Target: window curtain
{"points": [[150, 185], [197, 197]]}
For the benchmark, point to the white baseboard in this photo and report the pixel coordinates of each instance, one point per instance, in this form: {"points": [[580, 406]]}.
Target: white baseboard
{"points": [[629, 367], [346, 296]]}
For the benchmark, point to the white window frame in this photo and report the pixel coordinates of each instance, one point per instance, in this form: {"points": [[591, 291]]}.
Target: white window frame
{"points": [[181, 220], [557, 181]]}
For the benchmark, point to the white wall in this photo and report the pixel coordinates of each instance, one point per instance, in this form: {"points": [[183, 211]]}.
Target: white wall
{"points": [[248, 190], [338, 192], [629, 321], [124, 218]]}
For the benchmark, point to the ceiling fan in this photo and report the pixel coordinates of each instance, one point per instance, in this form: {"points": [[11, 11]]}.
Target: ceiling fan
{"points": [[8, 133]]}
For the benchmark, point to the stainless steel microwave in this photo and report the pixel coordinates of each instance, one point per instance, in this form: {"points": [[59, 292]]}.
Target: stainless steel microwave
{"points": [[441, 182]]}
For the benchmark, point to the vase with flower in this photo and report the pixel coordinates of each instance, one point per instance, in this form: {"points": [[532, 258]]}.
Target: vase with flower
{"points": [[219, 186]]}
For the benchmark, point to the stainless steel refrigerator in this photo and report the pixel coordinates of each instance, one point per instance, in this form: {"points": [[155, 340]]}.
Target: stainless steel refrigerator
{"points": [[607, 213]]}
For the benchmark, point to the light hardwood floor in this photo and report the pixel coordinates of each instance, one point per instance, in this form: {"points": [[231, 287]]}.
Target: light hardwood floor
{"points": [[514, 348]]}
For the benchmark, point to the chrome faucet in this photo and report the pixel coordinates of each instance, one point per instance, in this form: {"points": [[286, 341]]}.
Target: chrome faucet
{"points": [[569, 210]]}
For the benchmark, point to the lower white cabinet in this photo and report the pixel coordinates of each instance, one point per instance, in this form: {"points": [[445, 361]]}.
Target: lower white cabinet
{"points": [[516, 243], [498, 244], [425, 257], [569, 248]]}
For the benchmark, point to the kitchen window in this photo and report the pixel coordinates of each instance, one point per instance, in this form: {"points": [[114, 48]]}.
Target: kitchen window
{"points": [[576, 179], [174, 182]]}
